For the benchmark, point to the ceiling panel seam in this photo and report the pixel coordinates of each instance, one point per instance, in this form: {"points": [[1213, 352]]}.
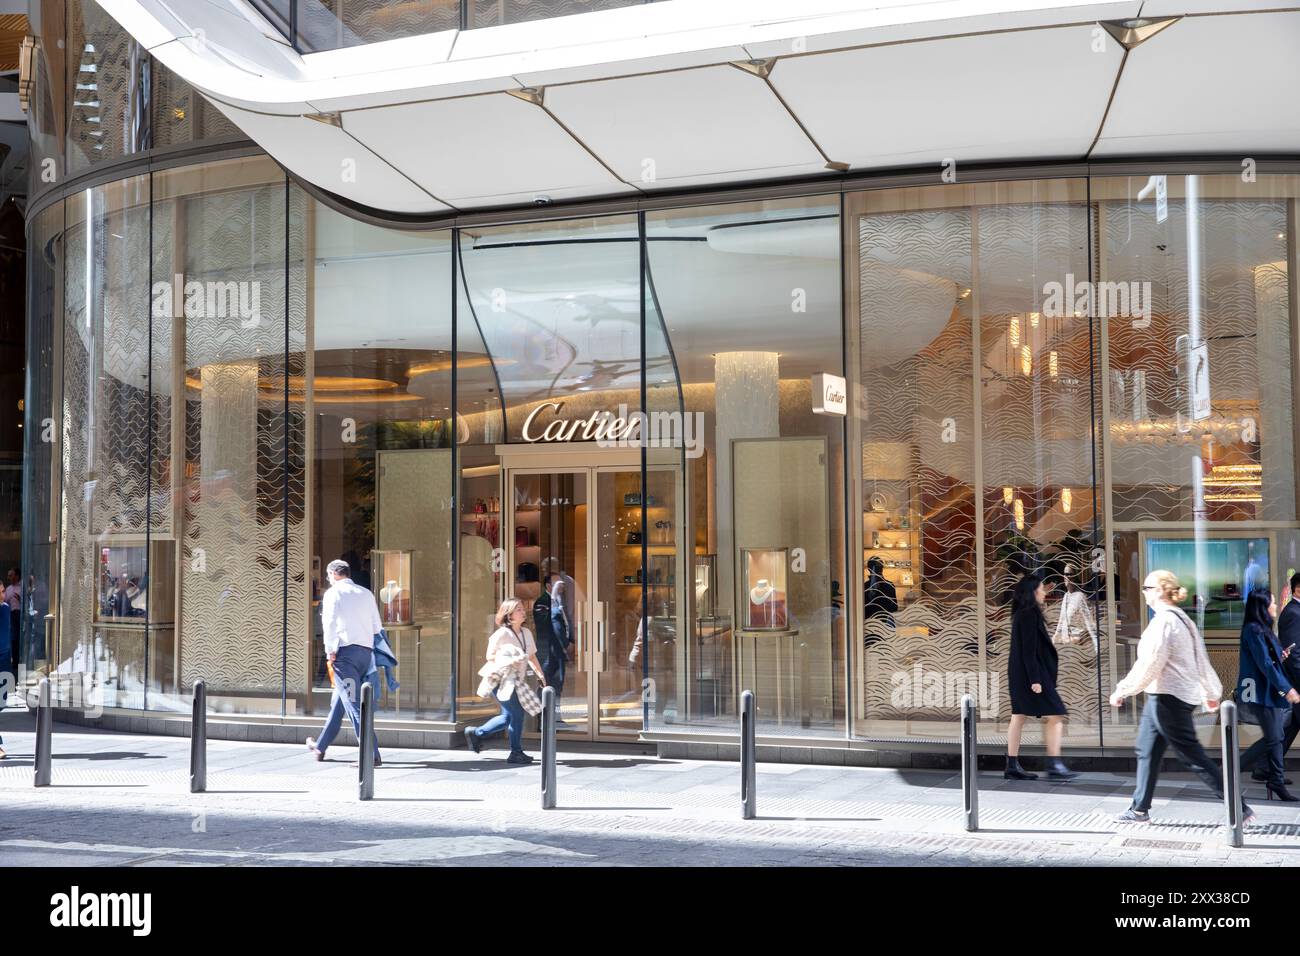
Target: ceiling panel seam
{"points": [[395, 169], [767, 81], [591, 152]]}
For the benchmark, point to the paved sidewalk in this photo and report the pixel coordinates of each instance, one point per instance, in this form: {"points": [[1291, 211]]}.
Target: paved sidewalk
{"points": [[121, 799]]}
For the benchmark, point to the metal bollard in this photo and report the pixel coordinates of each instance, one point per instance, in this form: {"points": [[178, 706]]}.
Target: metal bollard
{"points": [[1232, 775], [199, 739], [366, 784], [548, 748], [970, 793], [748, 758], [44, 733]]}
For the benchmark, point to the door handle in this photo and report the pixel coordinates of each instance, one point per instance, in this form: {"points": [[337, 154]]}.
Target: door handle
{"points": [[600, 637]]}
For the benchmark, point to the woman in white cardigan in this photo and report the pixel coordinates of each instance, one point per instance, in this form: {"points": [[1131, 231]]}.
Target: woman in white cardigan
{"points": [[1174, 669], [510, 636]]}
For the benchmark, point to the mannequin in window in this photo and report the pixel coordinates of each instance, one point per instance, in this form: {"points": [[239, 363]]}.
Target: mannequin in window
{"points": [[1074, 605]]}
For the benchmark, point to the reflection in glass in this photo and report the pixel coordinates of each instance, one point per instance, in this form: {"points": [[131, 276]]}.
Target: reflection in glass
{"points": [[557, 307], [382, 436], [743, 308]]}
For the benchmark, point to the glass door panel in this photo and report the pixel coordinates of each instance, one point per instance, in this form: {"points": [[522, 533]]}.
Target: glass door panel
{"points": [[548, 540], [620, 568]]}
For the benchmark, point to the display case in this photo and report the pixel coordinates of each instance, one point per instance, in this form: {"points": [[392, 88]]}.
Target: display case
{"points": [[891, 533], [391, 570], [133, 573], [764, 599], [706, 587]]}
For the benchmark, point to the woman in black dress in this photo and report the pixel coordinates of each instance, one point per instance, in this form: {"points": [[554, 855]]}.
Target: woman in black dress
{"points": [[1031, 680]]}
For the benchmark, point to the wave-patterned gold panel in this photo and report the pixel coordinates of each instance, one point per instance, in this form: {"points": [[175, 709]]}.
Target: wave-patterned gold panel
{"points": [[121, 413], [918, 440], [105, 410], [243, 451], [1037, 413], [1246, 326]]}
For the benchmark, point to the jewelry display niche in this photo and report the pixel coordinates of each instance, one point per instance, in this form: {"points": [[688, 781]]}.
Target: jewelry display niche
{"points": [[781, 584]]}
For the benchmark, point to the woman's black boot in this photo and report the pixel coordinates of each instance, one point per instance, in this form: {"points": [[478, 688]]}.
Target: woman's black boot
{"points": [[1057, 770], [1282, 793], [1015, 772]]}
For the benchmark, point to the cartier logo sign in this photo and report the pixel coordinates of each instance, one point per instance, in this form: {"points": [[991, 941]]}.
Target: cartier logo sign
{"points": [[830, 395], [600, 426], [621, 429]]}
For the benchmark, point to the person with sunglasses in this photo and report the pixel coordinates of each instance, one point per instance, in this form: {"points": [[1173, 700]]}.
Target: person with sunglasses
{"points": [[1174, 669]]}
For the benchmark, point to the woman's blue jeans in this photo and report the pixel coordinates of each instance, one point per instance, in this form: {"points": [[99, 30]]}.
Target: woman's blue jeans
{"points": [[512, 718]]}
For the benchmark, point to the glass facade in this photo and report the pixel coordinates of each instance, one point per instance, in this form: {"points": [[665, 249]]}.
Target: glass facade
{"points": [[313, 26], [801, 446], [233, 384], [1056, 379], [98, 97]]}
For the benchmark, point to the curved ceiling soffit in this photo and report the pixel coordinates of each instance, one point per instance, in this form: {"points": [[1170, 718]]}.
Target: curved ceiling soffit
{"points": [[303, 118]]}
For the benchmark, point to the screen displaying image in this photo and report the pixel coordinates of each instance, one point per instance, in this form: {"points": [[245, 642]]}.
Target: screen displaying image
{"points": [[1229, 569]]}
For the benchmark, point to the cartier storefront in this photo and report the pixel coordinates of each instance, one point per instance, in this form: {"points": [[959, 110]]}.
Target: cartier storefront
{"points": [[799, 440]]}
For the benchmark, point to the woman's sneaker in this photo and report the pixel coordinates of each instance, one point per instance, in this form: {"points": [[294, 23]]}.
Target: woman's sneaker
{"points": [[1133, 816], [472, 740], [519, 757]]}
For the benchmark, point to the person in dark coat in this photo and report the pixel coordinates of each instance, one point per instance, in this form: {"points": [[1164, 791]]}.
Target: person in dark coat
{"points": [[1264, 691], [879, 601], [1288, 636], [1031, 680], [552, 633]]}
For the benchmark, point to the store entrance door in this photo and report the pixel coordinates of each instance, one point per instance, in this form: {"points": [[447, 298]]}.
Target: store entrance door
{"points": [[575, 532]]}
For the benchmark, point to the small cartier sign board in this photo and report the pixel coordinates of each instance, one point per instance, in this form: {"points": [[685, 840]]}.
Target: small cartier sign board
{"points": [[830, 395]]}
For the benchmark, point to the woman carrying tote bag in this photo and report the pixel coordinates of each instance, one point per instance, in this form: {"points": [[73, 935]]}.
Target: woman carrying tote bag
{"points": [[511, 651]]}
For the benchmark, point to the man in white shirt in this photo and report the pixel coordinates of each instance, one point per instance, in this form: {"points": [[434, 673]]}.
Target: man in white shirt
{"points": [[351, 620]]}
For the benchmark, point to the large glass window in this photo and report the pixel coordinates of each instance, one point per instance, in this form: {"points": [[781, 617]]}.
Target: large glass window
{"points": [[106, 85], [109, 593], [42, 502], [231, 385], [555, 309], [978, 463], [380, 388], [743, 309], [238, 346], [1200, 365]]}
